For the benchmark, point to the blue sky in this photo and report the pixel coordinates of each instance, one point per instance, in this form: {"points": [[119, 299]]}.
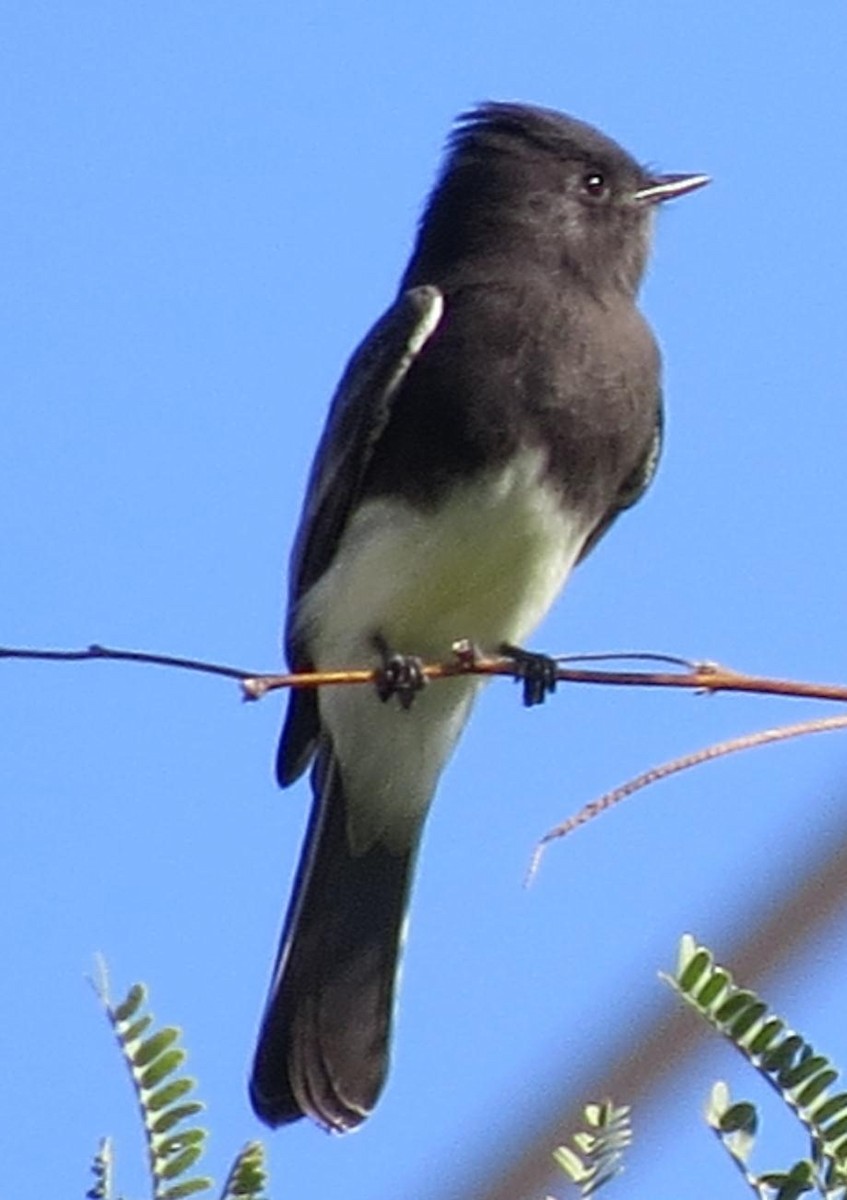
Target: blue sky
{"points": [[204, 206]]}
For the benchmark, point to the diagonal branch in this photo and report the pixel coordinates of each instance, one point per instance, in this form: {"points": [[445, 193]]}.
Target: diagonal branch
{"points": [[747, 741]]}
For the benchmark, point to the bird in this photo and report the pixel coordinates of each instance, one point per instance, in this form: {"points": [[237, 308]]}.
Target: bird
{"points": [[491, 426]]}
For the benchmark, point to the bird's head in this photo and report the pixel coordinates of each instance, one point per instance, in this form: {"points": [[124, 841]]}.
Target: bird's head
{"points": [[531, 183]]}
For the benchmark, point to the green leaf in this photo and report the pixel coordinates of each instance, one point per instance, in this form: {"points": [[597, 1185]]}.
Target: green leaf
{"points": [[741, 1116], [794, 1183], [685, 951], [168, 1094], [738, 1002], [816, 1087], [831, 1108], [747, 1020], [135, 1031], [766, 1036], [713, 989], [164, 1065], [155, 1046], [173, 1116], [783, 1056], [697, 966], [188, 1137], [247, 1178], [838, 1149], [836, 1130], [802, 1071], [189, 1188], [135, 997], [571, 1164], [181, 1162]]}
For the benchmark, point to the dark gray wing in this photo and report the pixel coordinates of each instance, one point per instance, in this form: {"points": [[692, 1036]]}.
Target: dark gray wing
{"points": [[634, 486], [637, 483], [357, 417]]}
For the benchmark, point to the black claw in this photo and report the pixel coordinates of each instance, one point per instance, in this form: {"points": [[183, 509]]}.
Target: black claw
{"points": [[400, 675], [537, 673]]}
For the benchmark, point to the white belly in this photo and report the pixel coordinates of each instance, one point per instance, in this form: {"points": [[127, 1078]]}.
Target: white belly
{"points": [[484, 565]]}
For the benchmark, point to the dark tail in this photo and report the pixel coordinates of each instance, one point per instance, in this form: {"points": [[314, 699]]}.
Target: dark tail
{"points": [[324, 1042]]}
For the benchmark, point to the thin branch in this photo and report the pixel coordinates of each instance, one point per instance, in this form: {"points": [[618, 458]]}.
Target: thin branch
{"points": [[96, 651], [748, 741], [672, 660], [693, 676]]}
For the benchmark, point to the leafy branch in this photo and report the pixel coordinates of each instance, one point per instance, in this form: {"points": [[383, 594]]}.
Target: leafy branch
{"points": [[803, 1078], [154, 1060], [807, 1082], [599, 1148]]}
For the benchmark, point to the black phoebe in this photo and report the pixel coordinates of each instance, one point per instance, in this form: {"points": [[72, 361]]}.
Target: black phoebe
{"points": [[484, 436]]}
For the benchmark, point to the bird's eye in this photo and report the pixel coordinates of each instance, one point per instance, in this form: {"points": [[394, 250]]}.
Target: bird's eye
{"points": [[594, 184]]}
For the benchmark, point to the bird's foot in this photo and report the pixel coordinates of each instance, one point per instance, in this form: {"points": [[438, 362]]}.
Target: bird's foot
{"points": [[400, 675], [537, 673]]}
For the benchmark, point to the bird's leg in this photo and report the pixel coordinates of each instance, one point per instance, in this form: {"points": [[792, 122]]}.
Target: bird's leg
{"points": [[400, 675], [537, 673]]}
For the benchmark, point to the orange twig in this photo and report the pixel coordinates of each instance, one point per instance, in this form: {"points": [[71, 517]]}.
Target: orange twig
{"points": [[692, 676]]}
